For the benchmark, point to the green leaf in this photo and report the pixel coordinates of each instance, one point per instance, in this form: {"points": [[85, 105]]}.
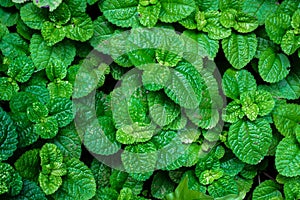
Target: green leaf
{"points": [[56, 70], [291, 189], [138, 106], [161, 109], [101, 173], [8, 88], [204, 42], [287, 157], [52, 34], [40, 92], [239, 49], [161, 185], [103, 30], [21, 69], [226, 4], [68, 141], [213, 26], [277, 25], [130, 134], [233, 112], [148, 15], [267, 190], [81, 28], [106, 193], [76, 6], [37, 112], [182, 192], [10, 180], [272, 66], [207, 177], [33, 16], [30, 191], [185, 86], [208, 5], [60, 89], [122, 13], [28, 164], [8, 17], [140, 158], [13, 45], [261, 9], [20, 101], [222, 187], [172, 11], [79, 182], [155, 76], [236, 82], [189, 22], [167, 58], [62, 110], [250, 141], [61, 15], [117, 179], [47, 128], [50, 4], [8, 3], [43, 55], [49, 183], [231, 166], [290, 42], [8, 136]]}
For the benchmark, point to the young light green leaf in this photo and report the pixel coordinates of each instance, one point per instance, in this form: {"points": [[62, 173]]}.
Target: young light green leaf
{"points": [[267, 190], [239, 49], [162, 110], [277, 25], [8, 142], [43, 55], [47, 128], [233, 112], [250, 141], [49, 183], [56, 70], [60, 89], [167, 58], [172, 11], [21, 69], [272, 66], [119, 12], [50, 4], [78, 183], [37, 112], [52, 34], [80, 29], [8, 88], [287, 157], [33, 16], [236, 82], [148, 15]]}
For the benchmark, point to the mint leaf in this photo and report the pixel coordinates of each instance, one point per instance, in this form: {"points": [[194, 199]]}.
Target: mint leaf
{"points": [[148, 15], [50, 4], [276, 26], [33, 16], [267, 189], [80, 29], [52, 34]]}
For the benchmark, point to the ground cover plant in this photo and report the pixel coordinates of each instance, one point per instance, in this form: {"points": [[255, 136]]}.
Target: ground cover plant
{"points": [[149, 99]]}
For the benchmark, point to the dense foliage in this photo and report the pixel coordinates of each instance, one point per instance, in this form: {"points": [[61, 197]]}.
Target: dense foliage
{"points": [[149, 99]]}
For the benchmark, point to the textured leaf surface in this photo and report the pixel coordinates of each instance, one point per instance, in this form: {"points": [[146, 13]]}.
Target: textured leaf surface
{"points": [[47, 128], [286, 118], [8, 88], [222, 187], [276, 26], [36, 112], [161, 185], [149, 14], [250, 141], [290, 42], [33, 16], [43, 55], [80, 29], [172, 11], [30, 191], [13, 45], [272, 66], [292, 189], [78, 183], [239, 49], [267, 190], [50, 4], [52, 34], [21, 69], [162, 110], [236, 82], [121, 13], [62, 110], [10, 180], [287, 157], [8, 136], [155, 77]]}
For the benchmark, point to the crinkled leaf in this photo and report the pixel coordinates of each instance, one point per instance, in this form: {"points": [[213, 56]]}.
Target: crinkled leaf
{"points": [[33, 16], [172, 11], [101, 173], [80, 29], [8, 136], [292, 189], [276, 26], [62, 110], [290, 42], [30, 191], [117, 179], [155, 77], [272, 66], [8, 88], [21, 69], [49, 183], [287, 157], [233, 112], [138, 106], [189, 22], [61, 15], [122, 13], [79, 182], [161, 185], [47, 128], [21, 100], [236, 82], [167, 58], [76, 6], [52, 34], [250, 141], [8, 17], [261, 9], [103, 30], [239, 49], [148, 15], [161, 109], [222, 187], [60, 89], [106, 193], [28, 164], [13, 45], [43, 55], [49, 4], [56, 70], [37, 112], [10, 180], [267, 190], [40, 92]]}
